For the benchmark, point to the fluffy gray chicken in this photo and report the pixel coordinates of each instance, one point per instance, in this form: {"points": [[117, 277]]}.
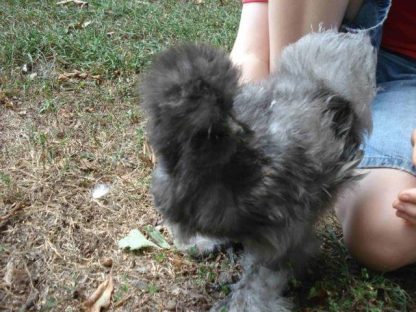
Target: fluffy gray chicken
{"points": [[260, 162]]}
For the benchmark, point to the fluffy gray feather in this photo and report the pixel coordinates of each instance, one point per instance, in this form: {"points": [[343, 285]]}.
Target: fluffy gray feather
{"points": [[258, 163]]}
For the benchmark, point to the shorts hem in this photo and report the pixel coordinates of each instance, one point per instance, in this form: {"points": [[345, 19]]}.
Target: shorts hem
{"points": [[388, 163]]}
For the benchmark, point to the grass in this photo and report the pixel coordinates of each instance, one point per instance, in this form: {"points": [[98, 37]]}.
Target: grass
{"points": [[70, 119]]}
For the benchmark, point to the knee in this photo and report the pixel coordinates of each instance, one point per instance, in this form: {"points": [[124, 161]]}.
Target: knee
{"points": [[372, 232], [377, 255], [380, 244]]}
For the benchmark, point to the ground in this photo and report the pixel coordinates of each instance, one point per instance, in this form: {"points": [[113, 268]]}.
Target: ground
{"points": [[70, 119]]}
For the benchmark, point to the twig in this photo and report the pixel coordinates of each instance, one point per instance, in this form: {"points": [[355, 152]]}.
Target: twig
{"points": [[122, 301]]}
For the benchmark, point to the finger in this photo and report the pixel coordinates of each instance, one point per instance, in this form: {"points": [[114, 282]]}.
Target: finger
{"points": [[405, 217], [408, 196], [407, 209]]}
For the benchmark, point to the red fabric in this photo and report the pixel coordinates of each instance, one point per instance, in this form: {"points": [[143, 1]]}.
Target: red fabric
{"points": [[399, 31], [248, 1]]}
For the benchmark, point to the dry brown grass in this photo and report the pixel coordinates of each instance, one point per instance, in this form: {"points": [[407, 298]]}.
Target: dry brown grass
{"points": [[54, 235]]}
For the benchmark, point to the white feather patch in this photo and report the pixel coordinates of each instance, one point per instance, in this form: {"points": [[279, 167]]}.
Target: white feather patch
{"points": [[100, 190]]}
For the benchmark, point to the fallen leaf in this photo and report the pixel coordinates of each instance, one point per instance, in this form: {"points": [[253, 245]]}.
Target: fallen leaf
{"points": [[101, 298], [63, 77], [5, 100], [76, 74], [135, 240], [67, 76], [73, 26], [148, 153], [65, 113], [8, 104], [157, 237], [96, 77], [107, 262]]}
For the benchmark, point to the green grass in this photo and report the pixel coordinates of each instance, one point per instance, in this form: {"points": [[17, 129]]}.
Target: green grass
{"points": [[336, 282], [69, 134], [121, 36]]}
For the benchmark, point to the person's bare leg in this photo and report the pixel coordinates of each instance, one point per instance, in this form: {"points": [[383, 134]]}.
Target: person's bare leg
{"points": [[251, 47], [373, 231], [290, 20]]}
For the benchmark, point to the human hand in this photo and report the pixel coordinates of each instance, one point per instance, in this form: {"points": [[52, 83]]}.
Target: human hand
{"points": [[405, 205]]}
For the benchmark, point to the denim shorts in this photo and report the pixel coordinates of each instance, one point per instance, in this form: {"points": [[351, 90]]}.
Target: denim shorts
{"points": [[394, 107]]}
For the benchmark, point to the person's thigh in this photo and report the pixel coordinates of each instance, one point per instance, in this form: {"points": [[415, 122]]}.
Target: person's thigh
{"points": [[372, 231], [290, 20]]}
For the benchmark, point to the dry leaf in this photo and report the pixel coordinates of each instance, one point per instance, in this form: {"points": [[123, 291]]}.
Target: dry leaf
{"points": [[101, 298], [148, 152], [76, 74], [107, 262], [5, 100], [63, 77], [65, 113], [82, 76], [96, 77], [157, 237], [135, 240], [90, 109], [67, 76], [8, 104]]}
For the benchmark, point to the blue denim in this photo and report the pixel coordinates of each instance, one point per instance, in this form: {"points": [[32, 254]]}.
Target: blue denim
{"points": [[370, 19], [394, 107]]}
